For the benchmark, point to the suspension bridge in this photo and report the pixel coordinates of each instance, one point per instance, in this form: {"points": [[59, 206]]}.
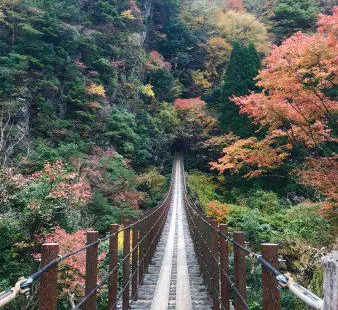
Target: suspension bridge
{"points": [[174, 257]]}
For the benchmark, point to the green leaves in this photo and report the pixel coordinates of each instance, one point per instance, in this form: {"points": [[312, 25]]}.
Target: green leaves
{"points": [[239, 80], [291, 16]]}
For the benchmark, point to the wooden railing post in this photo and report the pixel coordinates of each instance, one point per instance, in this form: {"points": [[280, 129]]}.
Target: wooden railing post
{"points": [[215, 267], [135, 259], [141, 252], [225, 274], [330, 286], [126, 267], [49, 280], [239, 269], [207, 254], [113, 264], [146, 245], [91, 269], [271, 296]]}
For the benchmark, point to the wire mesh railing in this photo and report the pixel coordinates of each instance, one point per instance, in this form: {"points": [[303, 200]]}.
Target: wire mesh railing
{"points": [[212, 242], [140, 239]]}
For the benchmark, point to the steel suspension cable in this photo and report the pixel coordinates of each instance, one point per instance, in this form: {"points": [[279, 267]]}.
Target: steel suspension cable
{"points": [[54, 262], [107, 276], [284, 281], [237, 292], [258, 257], [140, 262]]}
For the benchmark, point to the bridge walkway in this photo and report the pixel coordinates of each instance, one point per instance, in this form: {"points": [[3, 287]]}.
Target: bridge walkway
{"points": [[173, 280]]}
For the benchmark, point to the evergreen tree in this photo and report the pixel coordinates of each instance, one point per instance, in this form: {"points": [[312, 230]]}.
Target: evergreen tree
{"points": [[291, 16], [238, 81]]}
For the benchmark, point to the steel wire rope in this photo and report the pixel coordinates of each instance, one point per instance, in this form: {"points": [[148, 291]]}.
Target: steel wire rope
{"points": [[259, 258], [237, 292], [220, 268], [38, 274], [263, 12], [106, 277], [140, 262]]}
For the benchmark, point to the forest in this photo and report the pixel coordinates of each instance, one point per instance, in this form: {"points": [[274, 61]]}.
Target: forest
{"points": [[96, 96]]}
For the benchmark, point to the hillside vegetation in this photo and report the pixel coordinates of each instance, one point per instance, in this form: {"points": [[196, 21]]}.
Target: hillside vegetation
{"points": [[96, 96]]}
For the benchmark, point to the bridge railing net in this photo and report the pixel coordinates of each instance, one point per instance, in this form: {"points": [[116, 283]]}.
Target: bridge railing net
{"points": [[212, 246], [140, 239]]}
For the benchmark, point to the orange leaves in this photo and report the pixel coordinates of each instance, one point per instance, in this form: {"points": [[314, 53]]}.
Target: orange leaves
{"points": [[189, 104], [236, 5], [193, 111], [254, 156], [156, 61], [73, 269], [321, 174], [68, 186], [328, 25], [217, 210], [295, 111], [295, 79]]}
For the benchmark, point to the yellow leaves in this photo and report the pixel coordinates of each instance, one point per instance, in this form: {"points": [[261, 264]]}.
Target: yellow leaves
{"points": [[148, 91], [217, 52], [120, 240], [200, 79], [96, 90], [1, 14], [128, 15], [231, 25], [220, 43]]}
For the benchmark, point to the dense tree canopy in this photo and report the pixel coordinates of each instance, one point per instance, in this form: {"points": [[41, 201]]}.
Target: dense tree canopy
{"points": [[297, 106], [292, 16], [96, 96]]}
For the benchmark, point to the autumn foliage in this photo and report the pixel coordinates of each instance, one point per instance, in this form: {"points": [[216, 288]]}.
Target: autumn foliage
{"points": [[189, 104], [295, 109], [72, 271], [253, 156], [156, 61], [294, 81], [217, 210], [321, 175], [62, 185], [236, 5]]}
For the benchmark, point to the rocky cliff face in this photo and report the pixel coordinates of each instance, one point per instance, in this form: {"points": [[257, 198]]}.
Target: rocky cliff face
{"points": [[147, 9]]}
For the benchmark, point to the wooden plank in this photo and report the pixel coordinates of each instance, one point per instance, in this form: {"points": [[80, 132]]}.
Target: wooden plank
{"points": [[183, 296]]}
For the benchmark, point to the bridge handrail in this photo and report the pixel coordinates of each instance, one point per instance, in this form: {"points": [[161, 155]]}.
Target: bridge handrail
{"points": [[24, 284], [284, 280], [216, 261], [106, 277]]}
